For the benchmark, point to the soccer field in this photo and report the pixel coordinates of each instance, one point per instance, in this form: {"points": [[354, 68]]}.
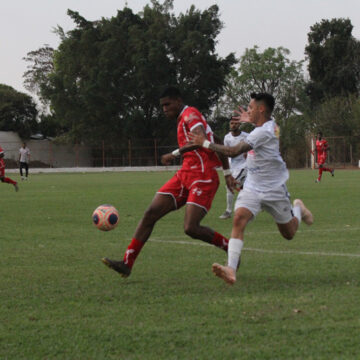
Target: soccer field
{"points": [[297, 299]]}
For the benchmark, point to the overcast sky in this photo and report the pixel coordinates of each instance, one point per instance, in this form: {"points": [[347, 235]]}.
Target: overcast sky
{"points": [[26, 25]]}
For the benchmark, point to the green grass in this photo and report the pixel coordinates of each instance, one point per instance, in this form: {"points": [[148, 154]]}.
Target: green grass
{"points": [[296, 299]]}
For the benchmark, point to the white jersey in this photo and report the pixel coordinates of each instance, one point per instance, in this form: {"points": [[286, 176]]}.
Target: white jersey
{"points": [[24, 154], [237, 162], [266, 168]]}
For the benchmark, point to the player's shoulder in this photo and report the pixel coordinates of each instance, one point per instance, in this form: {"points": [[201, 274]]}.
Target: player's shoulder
{"points": [[191, 114], [228, 136]]}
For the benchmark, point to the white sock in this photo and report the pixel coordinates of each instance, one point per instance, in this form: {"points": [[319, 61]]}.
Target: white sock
{"points": [[297, 212], [229, 200], [234, 252]]}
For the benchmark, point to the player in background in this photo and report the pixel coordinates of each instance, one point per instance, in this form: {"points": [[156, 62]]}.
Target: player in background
{"points": [[194, 185], [24, 159], [237, 164], [2, 171], [322, 147], [265, 184]]}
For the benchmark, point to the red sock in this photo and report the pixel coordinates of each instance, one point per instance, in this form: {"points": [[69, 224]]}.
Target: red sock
{"points": [[220, 241], [326, 169], [320, 173], [132, 252], [10, 181]]}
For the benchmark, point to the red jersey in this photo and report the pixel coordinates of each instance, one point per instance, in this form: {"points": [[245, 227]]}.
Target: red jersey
{"points": [[200, 159], [2, 167], [321, 146], [321, 149]]}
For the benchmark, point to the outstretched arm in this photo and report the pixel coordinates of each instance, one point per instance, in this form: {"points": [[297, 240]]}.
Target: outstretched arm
{"points": [[230, 181], [230, 151], [167, 159]]}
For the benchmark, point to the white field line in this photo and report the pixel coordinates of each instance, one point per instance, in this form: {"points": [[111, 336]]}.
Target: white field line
{"points": [[316, 253]]}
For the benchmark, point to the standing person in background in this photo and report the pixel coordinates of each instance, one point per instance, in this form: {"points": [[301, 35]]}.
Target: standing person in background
{"points": [[2, 171], [237, 164], [193, 186], [322, 147], [24, 159]]}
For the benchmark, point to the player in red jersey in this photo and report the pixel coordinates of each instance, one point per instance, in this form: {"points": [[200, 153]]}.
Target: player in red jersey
{"points": [[2, 171], [322, 148], [194, 185]]}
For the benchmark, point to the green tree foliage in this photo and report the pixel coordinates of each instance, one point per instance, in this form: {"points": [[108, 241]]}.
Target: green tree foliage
{"points": [[273, 72], [334, 60], [338, 116], [269, 71], [17, 112], [108, 74], [37, 75]]}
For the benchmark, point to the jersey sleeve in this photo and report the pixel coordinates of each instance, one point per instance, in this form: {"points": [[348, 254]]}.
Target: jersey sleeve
{"points": [[193, 119]]}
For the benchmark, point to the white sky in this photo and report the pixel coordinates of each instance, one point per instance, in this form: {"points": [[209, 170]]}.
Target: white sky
{"points": [[26, 25]]}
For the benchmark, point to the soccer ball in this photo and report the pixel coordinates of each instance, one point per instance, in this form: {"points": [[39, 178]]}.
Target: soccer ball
{"points": [[105, 217]]}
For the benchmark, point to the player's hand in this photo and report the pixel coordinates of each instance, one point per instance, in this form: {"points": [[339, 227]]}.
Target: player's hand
{"points": [[167, 159], [242, 116], [230, 183], [197, 139]]}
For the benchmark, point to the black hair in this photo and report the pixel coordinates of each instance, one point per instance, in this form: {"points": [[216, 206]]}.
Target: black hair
{"points": [[171, 92], [267, 98], [319, 133]]}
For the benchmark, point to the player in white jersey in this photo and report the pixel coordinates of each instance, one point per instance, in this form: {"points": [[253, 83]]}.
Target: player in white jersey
{"points": [[237, 164], [265, 184]]}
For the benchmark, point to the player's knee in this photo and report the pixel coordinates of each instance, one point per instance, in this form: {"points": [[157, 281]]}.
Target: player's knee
{"points": [[191, 230], [150, 215], [288, 235], [240, 220]]}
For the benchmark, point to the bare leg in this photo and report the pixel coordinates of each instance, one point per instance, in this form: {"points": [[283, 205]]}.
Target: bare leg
{"points": [[289, 229], [193, 216], [159, 207]]}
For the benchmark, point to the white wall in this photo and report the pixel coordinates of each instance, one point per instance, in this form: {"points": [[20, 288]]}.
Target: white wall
{"points": [[46, 151]]}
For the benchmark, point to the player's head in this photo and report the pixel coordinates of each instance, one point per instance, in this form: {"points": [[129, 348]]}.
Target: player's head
{"points": [[1, 152], [319, 135], [171, 102], [261, 106], [234, 125], [24, 145]]}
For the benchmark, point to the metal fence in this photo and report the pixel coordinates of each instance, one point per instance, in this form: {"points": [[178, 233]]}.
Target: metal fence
{"points": [[344, 152]]}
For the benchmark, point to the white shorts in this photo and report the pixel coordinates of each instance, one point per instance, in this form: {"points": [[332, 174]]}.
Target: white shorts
{"points": [[275, 202]]}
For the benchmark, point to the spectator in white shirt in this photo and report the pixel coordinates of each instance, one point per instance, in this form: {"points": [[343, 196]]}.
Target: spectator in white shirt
{"points": [[24, 159]]}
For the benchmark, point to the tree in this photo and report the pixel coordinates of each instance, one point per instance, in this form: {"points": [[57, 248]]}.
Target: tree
{"points": [[37, 75], [17, 112], [273, 72], [270, 71], [334, 60], [108, 74]]}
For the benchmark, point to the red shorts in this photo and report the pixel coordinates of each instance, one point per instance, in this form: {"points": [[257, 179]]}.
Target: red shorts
{"points": [[189, 187], [321, 159]]}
